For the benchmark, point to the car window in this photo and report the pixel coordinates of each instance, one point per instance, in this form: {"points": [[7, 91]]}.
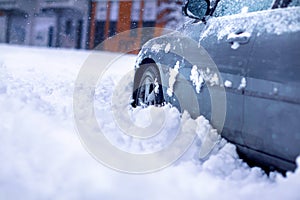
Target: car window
{"points": [[232, 7], [294, 3]]}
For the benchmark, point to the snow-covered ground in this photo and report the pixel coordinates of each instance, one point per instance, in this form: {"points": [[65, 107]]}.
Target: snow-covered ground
{"points": [[41, 156]]}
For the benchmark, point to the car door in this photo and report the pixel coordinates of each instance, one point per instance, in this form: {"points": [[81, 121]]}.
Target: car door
{"points": [[272, 94], [228, 37]]}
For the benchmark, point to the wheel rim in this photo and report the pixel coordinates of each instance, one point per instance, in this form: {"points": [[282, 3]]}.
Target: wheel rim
{"points": [[146, 94]]}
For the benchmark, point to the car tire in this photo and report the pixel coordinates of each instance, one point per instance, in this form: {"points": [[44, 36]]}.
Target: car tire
{"points": [[149, 90]]}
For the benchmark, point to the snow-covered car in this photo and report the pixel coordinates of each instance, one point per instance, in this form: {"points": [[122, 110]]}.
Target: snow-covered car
{"points": [[256, 48]]}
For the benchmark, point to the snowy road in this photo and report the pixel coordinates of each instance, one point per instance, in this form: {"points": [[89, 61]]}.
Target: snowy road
{"points": [[41, 156]]}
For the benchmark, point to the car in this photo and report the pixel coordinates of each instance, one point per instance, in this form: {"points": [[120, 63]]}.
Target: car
{"points": [[255, 46]]}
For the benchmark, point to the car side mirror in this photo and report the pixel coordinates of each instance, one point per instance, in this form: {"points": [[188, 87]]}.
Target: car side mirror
{"points": [[196, 9]]}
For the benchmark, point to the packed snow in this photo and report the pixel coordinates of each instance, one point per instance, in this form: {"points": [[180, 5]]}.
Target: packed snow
{"points": [[168, 48], [196, 78], [199, 76], [172, 78], [243, 83], [42, 157], [228, 84]]}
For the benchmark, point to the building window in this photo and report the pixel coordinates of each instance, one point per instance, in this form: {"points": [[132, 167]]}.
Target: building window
{"points": [[68, 27], [149, 20], [112, 28], [135, 17], [114, 16]]}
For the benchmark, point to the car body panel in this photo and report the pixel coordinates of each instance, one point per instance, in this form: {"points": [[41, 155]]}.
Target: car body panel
{"points": [[232, 63], [273, 82], [262, 115]]}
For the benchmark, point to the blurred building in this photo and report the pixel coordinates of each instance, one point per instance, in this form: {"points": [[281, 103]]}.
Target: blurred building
{"points": [[53, 23], [110, 17], [80, 23], [15, 17], [61, 23]]}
